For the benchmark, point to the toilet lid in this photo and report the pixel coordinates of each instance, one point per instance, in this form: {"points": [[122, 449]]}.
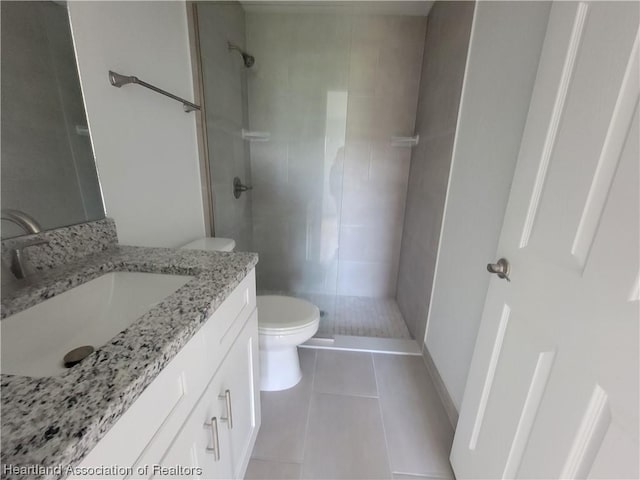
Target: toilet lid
{"points": [[276, 312], [218, 244]]}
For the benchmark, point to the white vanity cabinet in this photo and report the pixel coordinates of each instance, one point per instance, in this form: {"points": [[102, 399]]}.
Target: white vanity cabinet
{"points": [[219, 434], [199, 443], [240, 391], [201, 412]]}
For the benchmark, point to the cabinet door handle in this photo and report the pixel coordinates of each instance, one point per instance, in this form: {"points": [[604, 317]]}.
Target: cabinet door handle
{"points": [[215, 449], [229, 417]]}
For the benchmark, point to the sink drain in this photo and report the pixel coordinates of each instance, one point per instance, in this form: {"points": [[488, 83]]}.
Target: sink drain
{"points": [[76, 355]]}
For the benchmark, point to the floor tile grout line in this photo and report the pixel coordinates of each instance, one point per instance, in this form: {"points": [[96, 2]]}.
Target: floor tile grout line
{"points": [[306, 426], [375, 379], [422, 476], [355, 395], [272, 460], [384, 430], [425, 476]]}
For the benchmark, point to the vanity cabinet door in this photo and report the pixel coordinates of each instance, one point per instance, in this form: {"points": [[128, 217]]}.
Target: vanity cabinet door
{"points": [[202, 443], [239, 395], [227, 416]]}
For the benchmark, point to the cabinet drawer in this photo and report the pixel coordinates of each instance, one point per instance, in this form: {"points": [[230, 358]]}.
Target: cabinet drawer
{"points": [[225, 324]]}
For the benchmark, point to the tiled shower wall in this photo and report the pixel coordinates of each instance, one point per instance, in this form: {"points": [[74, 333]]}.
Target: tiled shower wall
{"points": [[225, 99], [445, 55], [329, 189]]}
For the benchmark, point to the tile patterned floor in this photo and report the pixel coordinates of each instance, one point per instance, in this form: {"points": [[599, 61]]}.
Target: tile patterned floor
{"points": [[354, 415], [359, 316]]}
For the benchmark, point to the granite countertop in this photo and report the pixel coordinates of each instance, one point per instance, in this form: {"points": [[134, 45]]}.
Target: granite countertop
{"points": [[53, 421]]}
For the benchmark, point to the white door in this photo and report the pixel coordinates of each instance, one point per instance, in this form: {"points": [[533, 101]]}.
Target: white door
{"points": [[553, 387]]}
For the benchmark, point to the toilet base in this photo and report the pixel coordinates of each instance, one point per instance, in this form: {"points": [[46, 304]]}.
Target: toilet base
{"points": [[279, 368]]}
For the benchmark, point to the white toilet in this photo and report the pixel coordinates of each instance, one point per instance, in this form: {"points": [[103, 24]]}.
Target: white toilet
{"points": [[283, 324]]}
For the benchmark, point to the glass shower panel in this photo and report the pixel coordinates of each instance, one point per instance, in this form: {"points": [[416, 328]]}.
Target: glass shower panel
{"points": [[298, 93], [224, 77]]}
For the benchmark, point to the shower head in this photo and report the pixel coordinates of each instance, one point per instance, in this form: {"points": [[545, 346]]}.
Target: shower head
{"points": [[247, 59]]}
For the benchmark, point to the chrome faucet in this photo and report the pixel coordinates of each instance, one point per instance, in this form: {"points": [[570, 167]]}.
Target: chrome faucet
{"points": [[22, 219], [30, 226]]}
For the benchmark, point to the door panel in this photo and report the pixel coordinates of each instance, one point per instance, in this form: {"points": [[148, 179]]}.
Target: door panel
{"points": [[192, 447], [588, 90], [500, 428], [553, 388], [240, 373], [600, 345]]}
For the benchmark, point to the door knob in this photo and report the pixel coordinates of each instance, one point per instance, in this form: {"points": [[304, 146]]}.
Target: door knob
{"points": [[238, 187], [501, 268]]}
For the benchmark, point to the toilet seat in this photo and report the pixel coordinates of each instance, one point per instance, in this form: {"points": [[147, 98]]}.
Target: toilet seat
{"points": [[280, 315]]}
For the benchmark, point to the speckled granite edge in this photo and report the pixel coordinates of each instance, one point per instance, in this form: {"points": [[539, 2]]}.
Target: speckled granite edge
{"points": [[57, 420], [65, 244]]}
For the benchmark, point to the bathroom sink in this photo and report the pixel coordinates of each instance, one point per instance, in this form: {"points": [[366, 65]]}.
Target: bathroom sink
{"points": [[35, 341]]}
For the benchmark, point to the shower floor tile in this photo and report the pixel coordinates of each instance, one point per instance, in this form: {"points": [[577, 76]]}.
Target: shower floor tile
{"points": [[357, 316]]}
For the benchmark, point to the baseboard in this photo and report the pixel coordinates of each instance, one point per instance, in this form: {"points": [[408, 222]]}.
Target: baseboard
{"points": [[443, 393]]}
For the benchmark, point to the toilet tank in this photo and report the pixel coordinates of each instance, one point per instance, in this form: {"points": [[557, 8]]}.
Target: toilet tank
{"points": [[212, 243]]}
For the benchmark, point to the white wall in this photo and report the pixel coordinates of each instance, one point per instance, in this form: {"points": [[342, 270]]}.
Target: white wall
{"points": [[145, 145], [506, 41]]}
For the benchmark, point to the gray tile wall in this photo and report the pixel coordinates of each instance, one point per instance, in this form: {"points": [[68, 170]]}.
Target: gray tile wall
{"points": [[297, 92], [225, 95], [332, 89], [386, 54], [445, 52]]}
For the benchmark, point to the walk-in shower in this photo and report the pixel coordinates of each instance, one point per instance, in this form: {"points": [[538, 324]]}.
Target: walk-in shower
{"points": [[313, 127]]}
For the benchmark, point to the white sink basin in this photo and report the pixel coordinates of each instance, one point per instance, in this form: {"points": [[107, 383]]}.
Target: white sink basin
{"points": [[35, 341]]}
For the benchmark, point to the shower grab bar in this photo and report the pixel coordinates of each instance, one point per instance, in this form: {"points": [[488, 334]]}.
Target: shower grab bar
{"points": [[118, 80]]}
